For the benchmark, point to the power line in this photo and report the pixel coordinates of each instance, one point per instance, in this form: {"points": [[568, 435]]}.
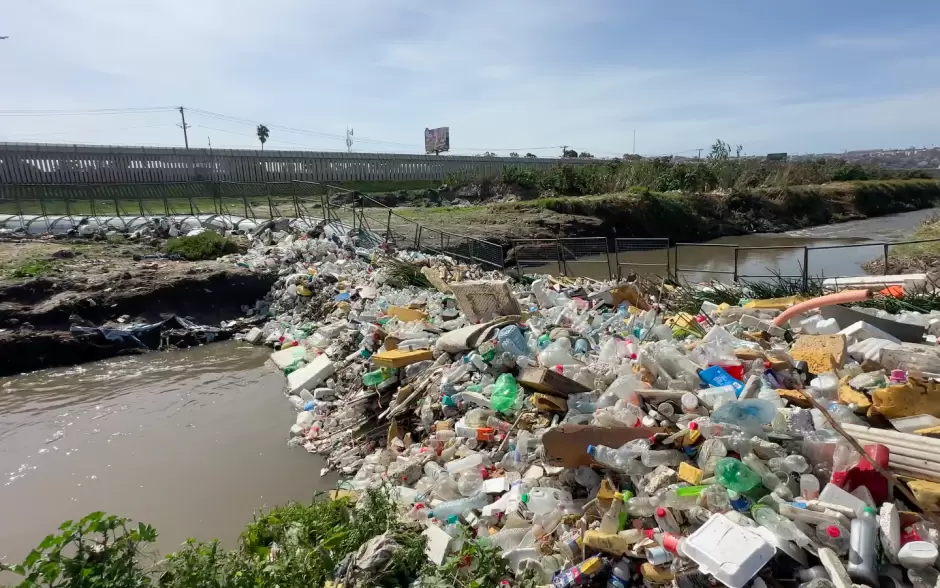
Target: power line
{"points": [[88, 131], [89, 112]]}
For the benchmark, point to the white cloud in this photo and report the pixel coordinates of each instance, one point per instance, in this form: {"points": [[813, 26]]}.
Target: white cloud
{"points": [[501, 73]]}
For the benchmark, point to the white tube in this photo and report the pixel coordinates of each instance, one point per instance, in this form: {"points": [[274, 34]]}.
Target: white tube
{"points": [[884, 434]]}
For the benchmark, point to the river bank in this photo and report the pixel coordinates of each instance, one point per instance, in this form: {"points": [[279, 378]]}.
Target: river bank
{"points": [[50, 285], [681, 217]]}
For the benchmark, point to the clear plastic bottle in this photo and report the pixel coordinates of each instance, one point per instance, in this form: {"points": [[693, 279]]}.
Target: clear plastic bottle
{"points": [[795, 464], [809, 487], [669, 457], [778, 525], [642, 506], [610, 522], [459, 506], [469, 482], [622, 460]]}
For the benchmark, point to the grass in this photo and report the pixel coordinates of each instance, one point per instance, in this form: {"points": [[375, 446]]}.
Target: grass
{"points": [[205, 245], [32, 268]]}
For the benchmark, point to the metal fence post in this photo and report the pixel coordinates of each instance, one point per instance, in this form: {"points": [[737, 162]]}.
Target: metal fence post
{"points": [[734, 278], [560, 254], [418, 231], [677, 263], [610, 272], [296, 206], [667, 257], [886, 245], [805, 268], [388, 225]]}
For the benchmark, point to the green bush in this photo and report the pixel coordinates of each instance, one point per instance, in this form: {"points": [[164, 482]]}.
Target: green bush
{"points": [[206, 245], [291, 546]]}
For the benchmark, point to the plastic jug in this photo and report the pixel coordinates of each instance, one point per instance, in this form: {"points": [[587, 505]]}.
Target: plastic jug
{"points": [[863, 547], [512, 340], [544, 500]]}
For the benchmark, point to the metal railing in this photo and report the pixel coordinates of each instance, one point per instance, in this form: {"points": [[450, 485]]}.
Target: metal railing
{"points": [[654, 252]]}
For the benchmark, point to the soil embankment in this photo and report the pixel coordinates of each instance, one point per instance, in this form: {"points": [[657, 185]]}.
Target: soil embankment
{"points": [[49, 285], [682, 217]]}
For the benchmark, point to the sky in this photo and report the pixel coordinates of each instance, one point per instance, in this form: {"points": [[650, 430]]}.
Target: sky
{"points": [[819, 76]]}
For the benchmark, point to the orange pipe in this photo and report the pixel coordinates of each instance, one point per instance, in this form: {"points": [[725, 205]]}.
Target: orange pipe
{"points": [[827, 300]]}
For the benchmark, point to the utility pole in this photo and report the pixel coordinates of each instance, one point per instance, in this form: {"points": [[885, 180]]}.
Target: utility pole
{"points": [[699, 153], [184, 126], [564, 149], [349, 140], [634, 141]]}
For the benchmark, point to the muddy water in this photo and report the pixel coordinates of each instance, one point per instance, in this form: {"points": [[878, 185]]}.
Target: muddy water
{"points": [[783, 255], [189, 441]]}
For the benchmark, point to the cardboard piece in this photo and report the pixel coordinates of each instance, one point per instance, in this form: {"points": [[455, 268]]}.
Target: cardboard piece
{"points": [[567, 445], [549, 382], [483, 300], [406, 314], [397, 358]]}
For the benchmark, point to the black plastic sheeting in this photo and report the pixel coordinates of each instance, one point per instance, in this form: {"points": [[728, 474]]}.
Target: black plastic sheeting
{"points": [[174, 331]]}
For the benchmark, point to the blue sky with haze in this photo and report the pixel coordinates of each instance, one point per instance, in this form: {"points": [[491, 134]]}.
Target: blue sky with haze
{"points": [[797, 76]]}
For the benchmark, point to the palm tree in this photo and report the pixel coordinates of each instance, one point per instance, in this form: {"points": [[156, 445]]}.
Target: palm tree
{"points": [[263, 134]]}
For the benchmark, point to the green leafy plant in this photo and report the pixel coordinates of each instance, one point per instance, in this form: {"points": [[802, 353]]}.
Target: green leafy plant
{"points": [[99, 551], [32, 268], [476, 564], [206, 245]]}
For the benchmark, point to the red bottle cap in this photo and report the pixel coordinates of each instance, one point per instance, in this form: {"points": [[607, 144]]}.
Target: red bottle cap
{"points": [[671, 542], [693, 426], [660, 512], [833, 531]]}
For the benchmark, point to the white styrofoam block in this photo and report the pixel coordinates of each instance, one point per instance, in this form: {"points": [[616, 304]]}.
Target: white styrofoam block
{"points": [[496, 485], [285, 357], [254, 335], [835, 495], [861, 330], [870, 349], [827, 326], [310, 375], [730, 552]]}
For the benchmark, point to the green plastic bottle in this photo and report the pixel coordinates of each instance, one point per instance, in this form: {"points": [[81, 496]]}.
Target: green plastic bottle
{"points": [[505, 391], [377, 377], [733, 474]]}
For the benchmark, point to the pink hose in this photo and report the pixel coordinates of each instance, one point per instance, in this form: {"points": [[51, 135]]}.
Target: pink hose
{"points": [[827, 300]]}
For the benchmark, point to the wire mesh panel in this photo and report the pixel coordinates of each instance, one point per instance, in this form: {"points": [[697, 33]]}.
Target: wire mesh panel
{"points": [[537, 253], [642, 256], [585, 256]]}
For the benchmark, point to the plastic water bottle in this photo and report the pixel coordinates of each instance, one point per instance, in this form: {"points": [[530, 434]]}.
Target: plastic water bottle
{"points": [[472, 461], [654, 458], [642, 506], [620, 574], [459, 506], [863, 546]]}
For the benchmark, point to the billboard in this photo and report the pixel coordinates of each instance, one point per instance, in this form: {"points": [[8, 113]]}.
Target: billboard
{"points": [[437, 140]]}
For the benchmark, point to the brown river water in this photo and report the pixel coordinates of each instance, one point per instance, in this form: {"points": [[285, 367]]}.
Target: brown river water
{"points": [[191, 441], [194, 441], [785, 254]]}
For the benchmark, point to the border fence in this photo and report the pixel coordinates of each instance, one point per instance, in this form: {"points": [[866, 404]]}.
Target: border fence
{"points": [[235, 205]]}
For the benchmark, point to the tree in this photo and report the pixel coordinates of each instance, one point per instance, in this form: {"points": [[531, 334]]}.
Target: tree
{"points": [[263, 134], [720, 150], [513, 154], [489, 154], [531, 155], [569, 153], [585, 155]]}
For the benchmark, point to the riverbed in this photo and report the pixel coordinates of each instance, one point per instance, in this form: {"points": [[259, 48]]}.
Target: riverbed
{"points": [[191, 441], [837, 250]]}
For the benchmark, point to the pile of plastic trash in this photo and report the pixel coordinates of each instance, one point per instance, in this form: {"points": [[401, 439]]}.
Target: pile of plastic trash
{"points": [[595, 436]]}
